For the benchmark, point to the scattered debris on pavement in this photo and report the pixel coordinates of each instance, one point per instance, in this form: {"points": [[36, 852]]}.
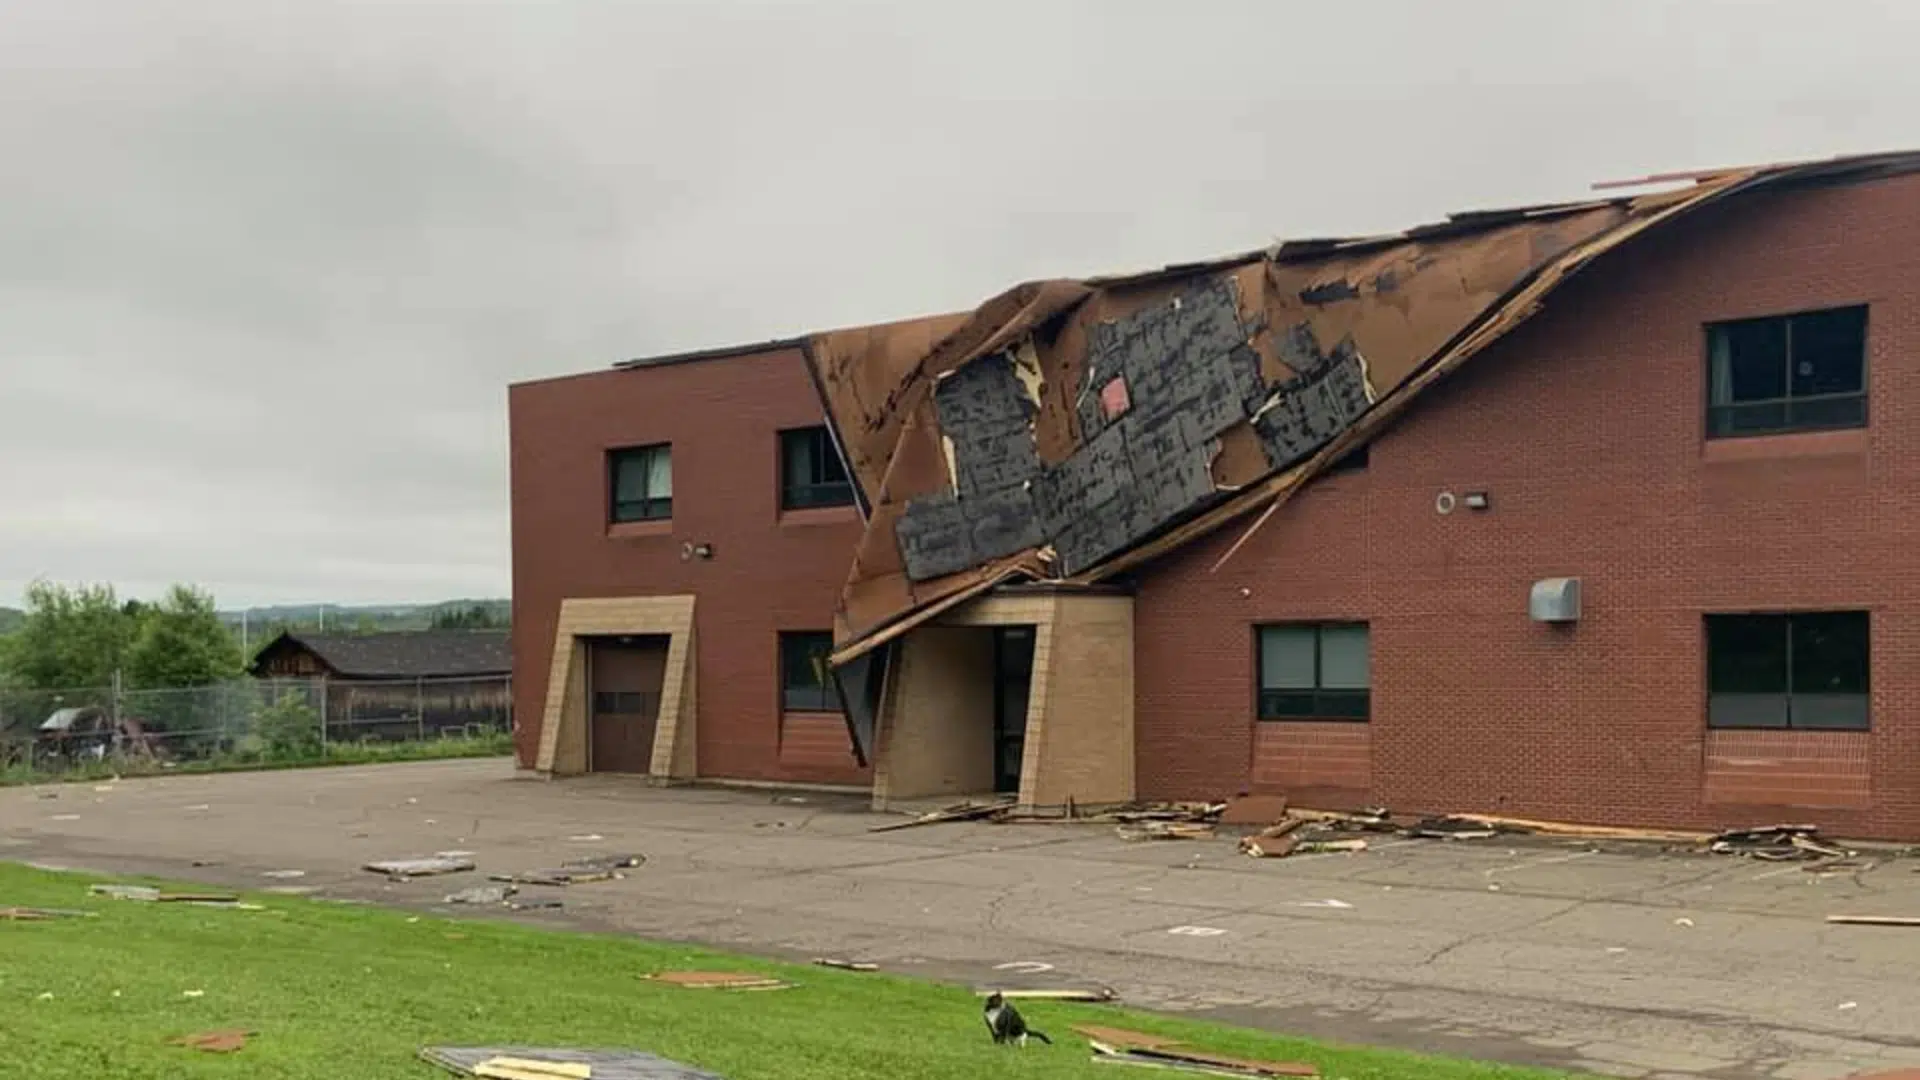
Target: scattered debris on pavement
{"points": [[483, 894], [1875, 920], [575, 871], [967, 811], [1273, 842], [1450, 827], [719, 980], [284, 873], [1113, 1046], [214, 1042], [528, 1063], [846, 965], [412, 868], [33, 914], [150, 894], [1165, 830], [1254, 810], [1777, 843], [1081, 993]]}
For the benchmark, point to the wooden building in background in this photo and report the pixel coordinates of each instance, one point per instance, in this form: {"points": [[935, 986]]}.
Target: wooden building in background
{"points": [[399, 684]]}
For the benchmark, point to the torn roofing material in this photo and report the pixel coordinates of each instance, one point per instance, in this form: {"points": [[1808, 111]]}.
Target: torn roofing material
{"points": [[1069, 430]]}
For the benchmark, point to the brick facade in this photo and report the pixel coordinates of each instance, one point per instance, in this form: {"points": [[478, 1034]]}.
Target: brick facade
{"points": [[1585, 427], [770, 571]]}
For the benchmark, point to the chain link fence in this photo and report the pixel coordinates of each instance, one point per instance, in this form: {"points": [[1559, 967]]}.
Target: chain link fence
{"points": [[253, 719]]}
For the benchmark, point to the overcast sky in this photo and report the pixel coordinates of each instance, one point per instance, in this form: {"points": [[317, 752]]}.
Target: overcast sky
{"points": [[267, 266]]}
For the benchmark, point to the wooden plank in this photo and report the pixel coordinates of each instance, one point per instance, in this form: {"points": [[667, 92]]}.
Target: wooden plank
{"points": [[1875, 920]]}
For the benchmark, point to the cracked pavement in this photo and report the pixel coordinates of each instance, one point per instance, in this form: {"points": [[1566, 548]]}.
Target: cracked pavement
{"points": [[1619, 961]]}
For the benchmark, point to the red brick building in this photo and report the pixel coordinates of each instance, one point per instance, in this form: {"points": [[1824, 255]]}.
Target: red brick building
{"points": [[1712, 429]]}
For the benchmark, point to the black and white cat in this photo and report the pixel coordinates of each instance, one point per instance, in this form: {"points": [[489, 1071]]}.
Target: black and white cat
{"points": [[1006, 1024]]}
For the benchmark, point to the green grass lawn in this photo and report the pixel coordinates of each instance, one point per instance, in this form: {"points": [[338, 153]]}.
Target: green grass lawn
{"points": [[339, 991]]}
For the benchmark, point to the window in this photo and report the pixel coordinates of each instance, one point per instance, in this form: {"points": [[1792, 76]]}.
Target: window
{"points": [[642, 479], [810, 471], [807, 683], [1314, 671], [1804, 670], [1805, 372]]}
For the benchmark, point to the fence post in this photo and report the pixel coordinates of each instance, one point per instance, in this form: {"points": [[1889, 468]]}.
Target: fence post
{"points": [[419, 708], [323, 716]]}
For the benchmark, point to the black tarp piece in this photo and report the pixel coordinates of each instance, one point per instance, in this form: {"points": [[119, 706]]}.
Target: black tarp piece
{"points": [[606, 1064]]}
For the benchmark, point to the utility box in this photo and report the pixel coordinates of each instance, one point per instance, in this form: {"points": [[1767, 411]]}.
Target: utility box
{"points": [[1554, 600]]}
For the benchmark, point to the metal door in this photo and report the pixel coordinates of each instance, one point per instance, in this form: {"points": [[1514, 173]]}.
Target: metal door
{"points": [[625, 675]]}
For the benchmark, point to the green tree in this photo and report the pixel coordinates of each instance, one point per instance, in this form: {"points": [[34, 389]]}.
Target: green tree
{"points": [[182, 641], [469, 617], [70, 636]]}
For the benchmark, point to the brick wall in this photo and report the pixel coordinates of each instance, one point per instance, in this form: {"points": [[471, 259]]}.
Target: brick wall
{"points": [[813, 749], [1585, 427], [1317, 763], [769, 572]]}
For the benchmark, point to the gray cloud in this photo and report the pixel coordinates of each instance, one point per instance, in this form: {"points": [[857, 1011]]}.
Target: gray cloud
{"points": [[266, 269]]}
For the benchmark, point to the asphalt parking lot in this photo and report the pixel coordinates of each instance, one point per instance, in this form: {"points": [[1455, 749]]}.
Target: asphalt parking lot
{"points": [[1623, 962]]}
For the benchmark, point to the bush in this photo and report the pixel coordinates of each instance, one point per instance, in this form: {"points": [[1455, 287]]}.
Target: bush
{"points": [[289, 728]]}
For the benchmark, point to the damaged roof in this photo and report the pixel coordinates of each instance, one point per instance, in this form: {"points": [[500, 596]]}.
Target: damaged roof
{"points": [[1068, 430]]}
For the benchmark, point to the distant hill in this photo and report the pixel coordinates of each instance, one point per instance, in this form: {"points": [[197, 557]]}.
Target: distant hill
{"points": [[263, 622], [270, 619]]}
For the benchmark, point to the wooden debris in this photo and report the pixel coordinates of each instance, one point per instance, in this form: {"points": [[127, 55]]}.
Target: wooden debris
{"points": [[1254, 809], [846, 965], [1177, 811], [1272, 842], [1875, 920], [1088, 993], [1166, 1056], [719, 980], [1322, 847], [541, 1063], [515, 1068], [1124, 1039], [1814, 847], [1164, 830], [1583, 832], [962, 812], [214, 1042]]}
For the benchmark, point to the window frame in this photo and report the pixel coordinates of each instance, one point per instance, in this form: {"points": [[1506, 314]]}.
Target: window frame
{"points": [[1716, 416], [652, 508], [1320, 712], [821, 698], [826, 456], [1786, 620]]}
